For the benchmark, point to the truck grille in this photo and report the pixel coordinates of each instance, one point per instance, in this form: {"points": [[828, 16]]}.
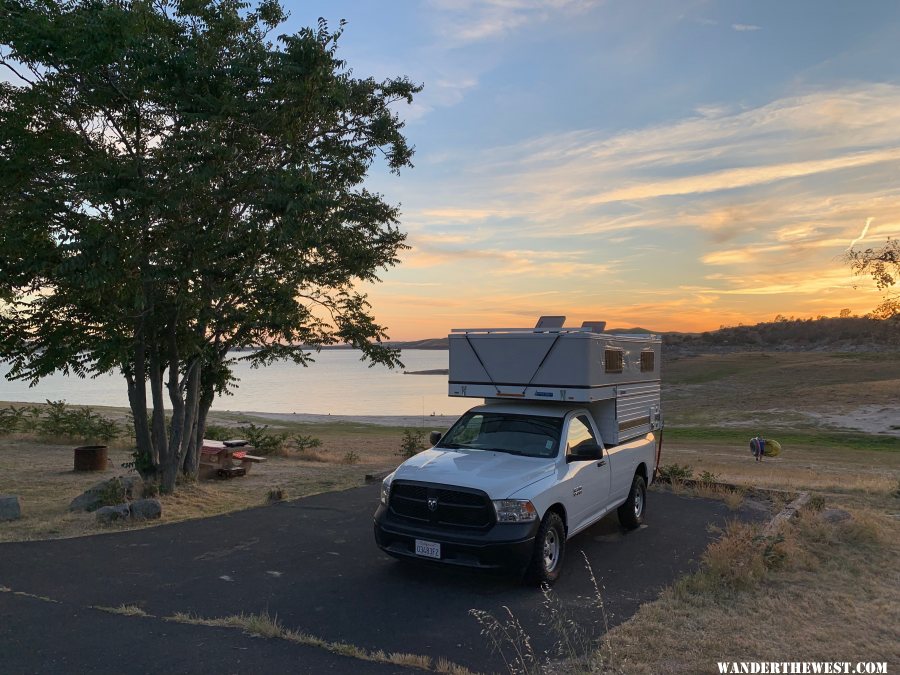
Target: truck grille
{"points": [[456, 507]]}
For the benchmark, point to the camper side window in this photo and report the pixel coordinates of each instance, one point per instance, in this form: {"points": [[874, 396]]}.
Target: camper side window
{"points": [[647, 359], [613, 360]]}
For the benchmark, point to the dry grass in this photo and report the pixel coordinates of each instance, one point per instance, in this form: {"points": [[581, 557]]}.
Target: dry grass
{"points": [[267, 626], [123, 610], [817, 592], [41, 474]]}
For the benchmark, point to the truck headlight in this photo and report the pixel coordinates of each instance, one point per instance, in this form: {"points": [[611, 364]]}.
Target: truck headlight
{"points": [[515, 511], [385, 492]]}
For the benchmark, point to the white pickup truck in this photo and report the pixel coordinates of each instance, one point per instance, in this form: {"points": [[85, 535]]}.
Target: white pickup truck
{"points": [[568, 432], [508, 484]]}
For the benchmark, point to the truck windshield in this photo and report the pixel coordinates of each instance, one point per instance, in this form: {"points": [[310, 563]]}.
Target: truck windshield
{"points": [[529, 435]]}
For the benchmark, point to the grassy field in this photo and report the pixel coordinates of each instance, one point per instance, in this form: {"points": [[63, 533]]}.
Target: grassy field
{"points": [[40, 472]]}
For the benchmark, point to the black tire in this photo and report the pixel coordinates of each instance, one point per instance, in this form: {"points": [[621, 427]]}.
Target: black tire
{"points": [[549, 551], [631, 513]]}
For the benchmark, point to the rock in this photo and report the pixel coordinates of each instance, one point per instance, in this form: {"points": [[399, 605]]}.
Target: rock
{"points": [[134, 486], [109, 514], [835, 515], [146, 509], [10, 507], [104, 492]]}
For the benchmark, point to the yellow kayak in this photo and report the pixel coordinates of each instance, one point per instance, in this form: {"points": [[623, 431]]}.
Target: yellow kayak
{"points": [[772, 448]]}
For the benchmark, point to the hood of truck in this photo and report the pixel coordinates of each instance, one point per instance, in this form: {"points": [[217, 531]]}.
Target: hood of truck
{"points": [[499, 474]]}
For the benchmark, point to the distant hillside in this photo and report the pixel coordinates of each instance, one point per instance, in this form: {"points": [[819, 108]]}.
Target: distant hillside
{"points": [[826, 334]]}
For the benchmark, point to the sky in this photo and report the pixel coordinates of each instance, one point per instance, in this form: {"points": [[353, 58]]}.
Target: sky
{"points": [[669, 165]]}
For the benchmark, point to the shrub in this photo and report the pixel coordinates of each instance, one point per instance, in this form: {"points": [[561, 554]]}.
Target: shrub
{"points": [[259, 437], [112, 493], [708, 478], [675, 472], [215, 432], [275, 495], [352, 457], [304, 443], [412, 443], [58, 419]]}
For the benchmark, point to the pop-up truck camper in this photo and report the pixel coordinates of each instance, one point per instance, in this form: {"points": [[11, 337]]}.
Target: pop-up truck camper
{"points": [[568, 432]]}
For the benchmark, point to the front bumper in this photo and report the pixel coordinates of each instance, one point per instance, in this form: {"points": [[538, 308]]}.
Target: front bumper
{"points": [[505, 546]]}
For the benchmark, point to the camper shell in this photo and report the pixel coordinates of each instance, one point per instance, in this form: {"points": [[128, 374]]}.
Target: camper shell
{"points": [[615, 376]]}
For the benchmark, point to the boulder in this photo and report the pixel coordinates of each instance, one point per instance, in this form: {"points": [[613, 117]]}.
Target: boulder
{"points": [[99, 494], [145, 509], [10, 507], [134, 486], [110, 514], [835, 515]]}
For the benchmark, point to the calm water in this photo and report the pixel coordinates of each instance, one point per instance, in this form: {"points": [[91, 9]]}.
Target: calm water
{"points": [[338, 383]]}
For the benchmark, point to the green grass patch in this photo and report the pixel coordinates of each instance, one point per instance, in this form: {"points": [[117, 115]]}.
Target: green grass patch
{"points": [[808, 439]]}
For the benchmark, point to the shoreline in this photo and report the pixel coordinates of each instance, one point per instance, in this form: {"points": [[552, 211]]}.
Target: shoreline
{"points": [[436, 421]]}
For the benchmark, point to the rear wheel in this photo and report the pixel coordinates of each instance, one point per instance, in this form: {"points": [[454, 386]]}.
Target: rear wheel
{"points": [[631, 513], [549, 550]]}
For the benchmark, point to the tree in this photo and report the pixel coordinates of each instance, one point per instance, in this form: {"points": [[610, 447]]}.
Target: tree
{"points": [[883, 265], [177, 185]]}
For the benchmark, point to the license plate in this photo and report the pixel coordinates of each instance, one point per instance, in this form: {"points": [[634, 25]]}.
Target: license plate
{"points": [[428, 549]]}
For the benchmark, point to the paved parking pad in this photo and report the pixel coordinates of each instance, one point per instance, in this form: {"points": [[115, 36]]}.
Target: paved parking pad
{"points": [[314, 564]]}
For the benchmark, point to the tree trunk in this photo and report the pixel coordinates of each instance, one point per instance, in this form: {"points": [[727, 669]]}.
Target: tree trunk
{"points": [[137, 399], [166, 464]]}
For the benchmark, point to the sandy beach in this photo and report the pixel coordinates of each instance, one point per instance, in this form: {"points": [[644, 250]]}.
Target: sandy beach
{"points": [[428, 421]]}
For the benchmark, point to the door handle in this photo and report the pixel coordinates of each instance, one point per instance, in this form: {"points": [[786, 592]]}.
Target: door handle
{"points": [[602, 462]]}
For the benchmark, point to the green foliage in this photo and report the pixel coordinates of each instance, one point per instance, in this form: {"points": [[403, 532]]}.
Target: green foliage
{"points": [[351, 457], [707, 478], [142, 463], [259, 437], [675, 472], [303, 443], [412, 443], [57, 419], [179, 183], [12, 419], [218, 433], [112, 493]]}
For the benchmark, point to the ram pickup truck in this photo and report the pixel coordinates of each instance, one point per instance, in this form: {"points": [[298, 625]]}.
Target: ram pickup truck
{"points": [[508, 485]]}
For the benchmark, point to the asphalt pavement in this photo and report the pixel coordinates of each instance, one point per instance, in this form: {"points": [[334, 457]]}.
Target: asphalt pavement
{"points": [[312, 563]]}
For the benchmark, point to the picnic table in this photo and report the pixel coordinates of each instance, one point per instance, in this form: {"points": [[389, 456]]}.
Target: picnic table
{"points": [[227, 459]]}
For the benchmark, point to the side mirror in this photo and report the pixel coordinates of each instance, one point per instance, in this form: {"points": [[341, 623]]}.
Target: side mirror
{"points": [[585, 451], [435, 437]]}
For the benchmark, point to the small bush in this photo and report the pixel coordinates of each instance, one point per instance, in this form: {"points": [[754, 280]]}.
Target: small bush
{"points": [[264, 443], [215, 432], [412, 443], [708, 478], [304, 443], [816, 503], [275, 495], [151, 489], [112, 493], [675, 472], [352, 457]]}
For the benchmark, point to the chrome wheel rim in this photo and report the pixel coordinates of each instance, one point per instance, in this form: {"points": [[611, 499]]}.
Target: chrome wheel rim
{"points": [[551, 550], [638, 502]]}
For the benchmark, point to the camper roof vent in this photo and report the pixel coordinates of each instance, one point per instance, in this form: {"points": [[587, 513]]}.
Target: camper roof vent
{"points": [[595, 326], [550, 322]]}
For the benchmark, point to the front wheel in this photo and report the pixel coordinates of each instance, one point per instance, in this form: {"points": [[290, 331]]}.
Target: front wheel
{"points": [[549, 549], [631, 513]]}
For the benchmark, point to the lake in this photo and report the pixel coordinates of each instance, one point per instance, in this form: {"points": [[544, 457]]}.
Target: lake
{"points": [[338, 383]]}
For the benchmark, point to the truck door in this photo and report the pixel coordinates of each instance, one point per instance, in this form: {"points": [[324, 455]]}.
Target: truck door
{"points": [[588, 480]]}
